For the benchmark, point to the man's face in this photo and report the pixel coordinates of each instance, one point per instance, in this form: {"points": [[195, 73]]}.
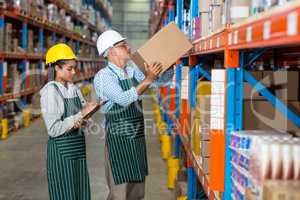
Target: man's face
{"points": [[122, 49]]}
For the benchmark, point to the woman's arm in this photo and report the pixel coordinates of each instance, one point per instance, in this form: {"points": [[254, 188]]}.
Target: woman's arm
{"points": [[52, 106]]}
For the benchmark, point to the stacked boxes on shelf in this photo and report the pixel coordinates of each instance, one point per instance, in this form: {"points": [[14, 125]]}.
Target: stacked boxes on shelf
{"points": [[261, 114], [200, 140], [215, 14], [21, 38]]}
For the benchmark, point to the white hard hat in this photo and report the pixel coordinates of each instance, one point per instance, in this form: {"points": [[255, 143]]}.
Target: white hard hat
{"points": [[108, 39]]}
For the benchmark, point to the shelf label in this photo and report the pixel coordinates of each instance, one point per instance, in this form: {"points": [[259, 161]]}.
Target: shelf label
{"points": [[267, 30], [184, 92], [229, 39], [249, 34], [292, 23], [236, 37]]}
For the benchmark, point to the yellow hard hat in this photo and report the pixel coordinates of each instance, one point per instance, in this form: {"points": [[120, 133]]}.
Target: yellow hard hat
{"points": [[58, 52]]}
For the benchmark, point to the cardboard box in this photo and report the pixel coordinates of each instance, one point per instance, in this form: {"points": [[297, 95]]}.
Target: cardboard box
{"points": [[281, 190], [248, 91], [205, 148], [216, 15], [204, 133], [203, 5], [239, 10], [205, 165], [8, 37], [166, 46], [204, 21], [284, 84], [203, 109], [261, 115]]}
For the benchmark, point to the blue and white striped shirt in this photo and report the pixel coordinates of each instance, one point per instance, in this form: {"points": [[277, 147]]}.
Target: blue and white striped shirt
{"points": [[106, 84]]}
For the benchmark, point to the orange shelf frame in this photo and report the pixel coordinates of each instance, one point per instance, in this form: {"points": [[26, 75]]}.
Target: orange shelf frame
{"points": [[278, 27], [211, 44], [198, 169]]}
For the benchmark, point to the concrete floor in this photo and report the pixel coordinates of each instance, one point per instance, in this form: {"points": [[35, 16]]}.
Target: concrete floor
{"points": [[23, 160]]}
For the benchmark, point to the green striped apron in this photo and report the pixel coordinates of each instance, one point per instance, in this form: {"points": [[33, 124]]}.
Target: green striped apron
{"points": [[67, 172], [125, 139]]}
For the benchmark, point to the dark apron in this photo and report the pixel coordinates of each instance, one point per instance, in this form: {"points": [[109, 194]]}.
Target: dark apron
{"points": [[125, 139], [67, 171]]}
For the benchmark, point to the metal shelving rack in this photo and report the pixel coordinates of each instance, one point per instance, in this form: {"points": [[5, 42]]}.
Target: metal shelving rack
{"points": [[23, 59], [240, 45]]}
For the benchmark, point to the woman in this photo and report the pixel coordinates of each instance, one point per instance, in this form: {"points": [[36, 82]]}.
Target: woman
{"points": [[62, 108]]}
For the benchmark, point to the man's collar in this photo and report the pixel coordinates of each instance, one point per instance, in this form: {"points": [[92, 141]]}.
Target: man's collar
{"points": [[116, 68]]}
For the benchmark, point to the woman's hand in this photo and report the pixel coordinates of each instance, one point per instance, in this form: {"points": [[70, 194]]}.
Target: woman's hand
{"points": [[88, 108]]}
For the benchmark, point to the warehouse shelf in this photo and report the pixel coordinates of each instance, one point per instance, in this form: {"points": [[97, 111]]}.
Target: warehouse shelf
{"points": [[158, 19], [72, 13], [22, 93], [277, 27], [274, 33], [104, 8], [211, 44], [35, 21], [198, 169], [39, 56], [22, 56]]}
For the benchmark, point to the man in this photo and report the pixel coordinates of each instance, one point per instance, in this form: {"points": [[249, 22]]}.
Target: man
{"points": [[122, 85]]}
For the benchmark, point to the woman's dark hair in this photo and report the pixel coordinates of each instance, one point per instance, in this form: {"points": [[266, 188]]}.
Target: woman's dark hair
{"points": [[51, 73]]}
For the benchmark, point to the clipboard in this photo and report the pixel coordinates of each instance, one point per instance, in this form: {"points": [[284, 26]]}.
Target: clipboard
{"points": [[95, 109], [88, 115]]}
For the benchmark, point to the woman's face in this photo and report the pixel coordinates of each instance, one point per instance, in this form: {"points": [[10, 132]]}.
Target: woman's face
{"points": [[67, 71]]}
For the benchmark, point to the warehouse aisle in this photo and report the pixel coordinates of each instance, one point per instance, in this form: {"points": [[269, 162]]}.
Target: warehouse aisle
{"points": [[23, 160]]}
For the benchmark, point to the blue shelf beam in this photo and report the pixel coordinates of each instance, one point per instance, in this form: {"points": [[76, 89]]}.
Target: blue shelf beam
{"points": [[179, 13], [277, 103], [203, 72]]}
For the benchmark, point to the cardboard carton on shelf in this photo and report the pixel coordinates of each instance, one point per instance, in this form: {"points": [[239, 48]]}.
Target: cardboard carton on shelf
{"points": [[166, 46], [8, 37], [216, 13], [284, 84], [239, 10], [205, 163], [204, 21], [205, 149], [261, 115]]}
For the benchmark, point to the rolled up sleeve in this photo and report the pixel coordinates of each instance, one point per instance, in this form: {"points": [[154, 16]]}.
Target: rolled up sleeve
{"points": [[52, 107], [107, 88]]}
